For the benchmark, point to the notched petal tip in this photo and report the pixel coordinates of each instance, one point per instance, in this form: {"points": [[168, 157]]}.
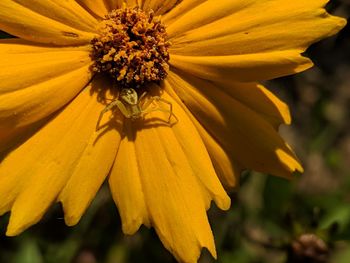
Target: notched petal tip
{"points": [[305, 64], [291, 163], [13, 232], [285, 114], [193, 251], [342, 22], [71, 220], [132, 226], [223, 202], [19, 223], [338, 23]]}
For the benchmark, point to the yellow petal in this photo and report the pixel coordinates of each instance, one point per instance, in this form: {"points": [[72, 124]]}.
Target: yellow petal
{"points": [[253, 141], [234, 36], [199, 13], [35, 64], [115, 4], [37, 81], [133, 2], [226, 166], [166, 6], [250, 32], [259, 99], [67, 12], [150, 4], [179, 10], [11, 137], [173, 197], [159, 7], [227, 169], [33, 175], [250, 67], [258, 19], [25, 23], [174, 184], [126, 188], [97, 7], [93, 166], [190, 141]]}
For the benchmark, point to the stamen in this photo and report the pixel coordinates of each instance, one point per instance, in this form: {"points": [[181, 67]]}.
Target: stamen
{"points": [[131, 47]]}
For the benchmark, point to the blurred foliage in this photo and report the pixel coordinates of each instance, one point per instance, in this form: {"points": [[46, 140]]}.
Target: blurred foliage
{"points": [[271, 219]]}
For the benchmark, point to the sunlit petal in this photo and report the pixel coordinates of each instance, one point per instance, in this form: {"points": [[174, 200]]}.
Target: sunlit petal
{"points": [[47, 163], [37, 81], [56, 25], [253, 141]]}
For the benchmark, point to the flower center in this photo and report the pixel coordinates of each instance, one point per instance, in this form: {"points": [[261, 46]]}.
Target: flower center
{"points": [[131, 47]]}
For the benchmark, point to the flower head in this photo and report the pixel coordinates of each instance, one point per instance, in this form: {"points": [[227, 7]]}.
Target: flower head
{"points": [[160, 96], [131, 47]]}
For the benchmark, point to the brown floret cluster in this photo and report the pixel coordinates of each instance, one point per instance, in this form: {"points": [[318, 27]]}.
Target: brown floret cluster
{"points": [[131, 47]]}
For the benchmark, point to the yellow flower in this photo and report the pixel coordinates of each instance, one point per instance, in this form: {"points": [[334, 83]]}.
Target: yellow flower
{"points": [[161, 173]]}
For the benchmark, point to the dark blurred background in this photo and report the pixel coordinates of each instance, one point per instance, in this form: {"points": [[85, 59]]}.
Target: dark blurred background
{"points": [[271, 220]]}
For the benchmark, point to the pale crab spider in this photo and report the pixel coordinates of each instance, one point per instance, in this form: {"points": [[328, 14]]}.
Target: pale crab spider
{"points": [[133, 107]]}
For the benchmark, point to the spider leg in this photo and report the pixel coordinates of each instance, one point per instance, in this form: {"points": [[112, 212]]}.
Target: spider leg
{"points": [[120, 106], [157, 99], [170, 111], [146, 103], [107, 108], [142, 96]]}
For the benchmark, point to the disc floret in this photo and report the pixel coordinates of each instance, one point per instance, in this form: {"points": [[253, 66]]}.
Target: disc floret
{"points": [[131, 47]]}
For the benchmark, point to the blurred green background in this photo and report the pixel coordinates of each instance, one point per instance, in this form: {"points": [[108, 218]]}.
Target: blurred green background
{"points": [[271, 219]]}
